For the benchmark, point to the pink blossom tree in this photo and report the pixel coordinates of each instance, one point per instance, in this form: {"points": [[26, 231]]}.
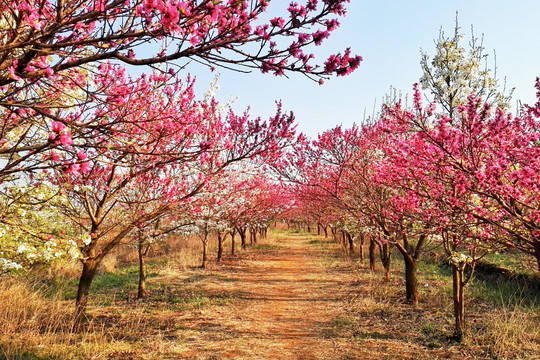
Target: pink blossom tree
{"points": [[472, 175], [162, 138], [53, 49]]}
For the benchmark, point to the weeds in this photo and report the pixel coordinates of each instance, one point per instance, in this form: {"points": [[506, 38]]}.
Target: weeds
{"points": [[510, 333], [35, 318], [266, 247]]}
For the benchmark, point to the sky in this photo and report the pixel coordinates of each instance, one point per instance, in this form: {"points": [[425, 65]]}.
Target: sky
{"points": [[389, 35]]}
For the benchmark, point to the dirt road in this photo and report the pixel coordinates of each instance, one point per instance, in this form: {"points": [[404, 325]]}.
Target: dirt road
{"points": [[290, 298]]}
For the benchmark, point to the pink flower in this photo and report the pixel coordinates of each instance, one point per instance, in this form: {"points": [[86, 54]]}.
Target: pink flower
{"points": [[75, 168], [332, 24], [65, 138], [278, 22], [55, 156], [57, 126], [81, 155], [303, 38], [85, 167], [319, 36], [12, 73]]}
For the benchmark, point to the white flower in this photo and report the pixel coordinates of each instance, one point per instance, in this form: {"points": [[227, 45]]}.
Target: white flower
{"points": [[74, 253], [459, 258], [8, 265], [73, 249]]}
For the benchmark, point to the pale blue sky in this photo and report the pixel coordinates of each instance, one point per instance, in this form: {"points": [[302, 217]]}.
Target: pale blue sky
{"points": [[389, 35]]}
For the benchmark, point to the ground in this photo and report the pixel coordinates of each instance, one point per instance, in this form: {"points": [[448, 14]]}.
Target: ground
{"points": [[288, 303], [292, 296]]}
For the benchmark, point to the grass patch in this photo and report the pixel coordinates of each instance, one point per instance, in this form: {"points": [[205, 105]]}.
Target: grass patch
{"points": [[432, 270], [506, 293], [60, 287], [225, 278], [511, 333], [197, 302], [516, 262], [116, 280], [339, 327], [124, 279], [266, 247]]}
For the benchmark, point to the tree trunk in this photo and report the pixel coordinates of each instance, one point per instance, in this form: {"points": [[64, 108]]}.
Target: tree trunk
{"points": [[537, 252], [220, 246], [361, 247], [325, 229], [411, 279], [411, 256], [372, 258], [204, 254], [318, 229], [83, 291], [141, 291], [411, 266], [233, 234], [386, 257], [242, 232], [458, 287], [350, 240], [252, 235]]}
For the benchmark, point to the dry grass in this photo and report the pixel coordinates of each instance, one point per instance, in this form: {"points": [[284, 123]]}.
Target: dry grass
{"points": [[510, 334], [28, 319], [185, 253], [35, 320], [379, 316], [293, 296]]}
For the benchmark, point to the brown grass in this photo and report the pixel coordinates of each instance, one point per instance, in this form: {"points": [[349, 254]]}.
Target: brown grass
{"points": [[28, 319], [379, 316], [36, 323], [294, 297], [510, 334]]}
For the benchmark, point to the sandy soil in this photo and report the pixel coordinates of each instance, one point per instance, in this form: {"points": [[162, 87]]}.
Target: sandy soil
{"points": [[290, 299]]}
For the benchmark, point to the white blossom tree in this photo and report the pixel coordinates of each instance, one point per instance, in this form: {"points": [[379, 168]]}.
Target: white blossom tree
{"points": [[455, 72], [31, 229]]}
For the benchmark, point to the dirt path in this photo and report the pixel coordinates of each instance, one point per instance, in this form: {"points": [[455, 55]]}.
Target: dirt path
{"points": [[294, 296], [290, 298]]}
